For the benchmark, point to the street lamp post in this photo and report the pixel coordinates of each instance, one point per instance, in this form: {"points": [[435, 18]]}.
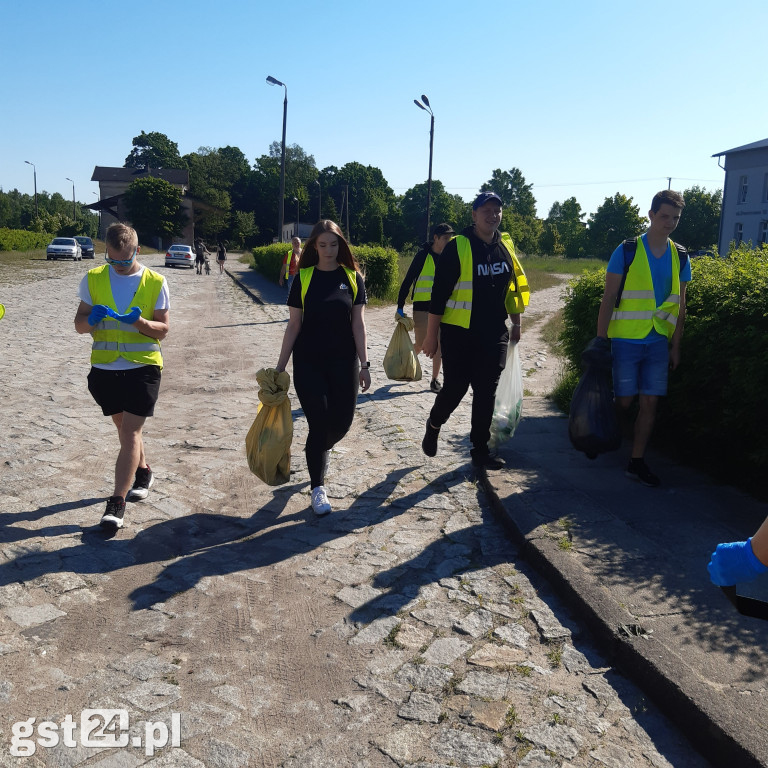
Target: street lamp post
{"points": [[296, 200], [74, 210], [34, 173], [425, 106], [319, 200], [280, 213]]}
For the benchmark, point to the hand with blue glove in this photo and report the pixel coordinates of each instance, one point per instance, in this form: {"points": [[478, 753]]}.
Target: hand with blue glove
{"points": [[400, 312], [129, 317], [733, 563], [98, 313]]}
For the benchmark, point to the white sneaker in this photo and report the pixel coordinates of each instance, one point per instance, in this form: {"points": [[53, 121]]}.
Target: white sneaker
{"points": [[320, 502]]}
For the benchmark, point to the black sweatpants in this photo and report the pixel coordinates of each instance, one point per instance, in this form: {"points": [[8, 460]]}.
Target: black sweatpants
{"points": [[327, 391], [476, 360]]}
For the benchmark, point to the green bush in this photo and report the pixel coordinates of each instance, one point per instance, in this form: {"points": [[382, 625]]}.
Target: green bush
{"points": [[267, 259], [716, 410], [381, 269], [22, 240], [379, 265]]}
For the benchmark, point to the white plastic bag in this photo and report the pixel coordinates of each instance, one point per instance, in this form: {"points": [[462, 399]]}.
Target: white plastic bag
{"points": [[508, 408]]}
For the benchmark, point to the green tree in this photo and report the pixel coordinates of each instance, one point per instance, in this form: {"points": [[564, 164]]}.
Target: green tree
{"points": [[615, 220], [154, 150], [700, 222], [413, 211], [565, 219], [515, 194], [155, 208], [525, 231]]}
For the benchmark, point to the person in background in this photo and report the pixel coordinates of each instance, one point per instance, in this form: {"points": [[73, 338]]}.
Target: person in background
{"points": [[478, 284], [326, 336], [739, 561], [221, 256], [422, 273], [647, 326], [200, 253], [125, 307], [290, 264]]}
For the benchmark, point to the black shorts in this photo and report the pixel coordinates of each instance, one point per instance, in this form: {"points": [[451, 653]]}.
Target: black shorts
{"points": [[134, 391]]}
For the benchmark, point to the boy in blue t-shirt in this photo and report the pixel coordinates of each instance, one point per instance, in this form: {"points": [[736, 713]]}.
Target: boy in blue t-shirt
{"points": [[641, 365]]}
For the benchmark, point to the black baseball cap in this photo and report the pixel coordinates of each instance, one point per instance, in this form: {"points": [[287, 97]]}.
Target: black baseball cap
{"points": [[442, 229], [483, 198]]}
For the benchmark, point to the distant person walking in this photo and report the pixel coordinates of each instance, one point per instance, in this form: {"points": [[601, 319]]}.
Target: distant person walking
{"points": [[648, 275], [326, 335], [290, 265], [200, 253], [421, 275], [478, 284], [125, 307], [221, 256]]}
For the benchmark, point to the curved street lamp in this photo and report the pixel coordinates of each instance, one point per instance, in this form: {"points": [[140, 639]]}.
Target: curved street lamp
{"points": [[296, 200], [425, 106], [74, 210], [34, 173], [280, 213]]}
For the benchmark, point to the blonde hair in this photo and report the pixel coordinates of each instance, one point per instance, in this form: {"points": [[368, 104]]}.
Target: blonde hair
{"points": [[121, 237]]}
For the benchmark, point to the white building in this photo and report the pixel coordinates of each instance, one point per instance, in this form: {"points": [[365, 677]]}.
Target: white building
{"points": [[744, 216]]}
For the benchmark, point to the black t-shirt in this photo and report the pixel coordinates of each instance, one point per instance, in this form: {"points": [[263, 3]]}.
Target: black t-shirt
{"points": [[326, 328]]}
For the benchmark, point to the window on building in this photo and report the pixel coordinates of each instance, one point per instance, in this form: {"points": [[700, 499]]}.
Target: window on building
{"points": [[763, 234], [743, 187], [738, 233]]}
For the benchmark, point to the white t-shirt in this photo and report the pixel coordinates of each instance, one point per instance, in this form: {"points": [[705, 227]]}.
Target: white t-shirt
{"points": [[124, 288]]}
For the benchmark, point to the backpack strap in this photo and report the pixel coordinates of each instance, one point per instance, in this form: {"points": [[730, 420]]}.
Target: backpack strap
{"points": [[682, 253], [630, 248]]}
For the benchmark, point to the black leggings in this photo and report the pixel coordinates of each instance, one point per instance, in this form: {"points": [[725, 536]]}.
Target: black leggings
{"points": [[470, 359], [327, 391]]}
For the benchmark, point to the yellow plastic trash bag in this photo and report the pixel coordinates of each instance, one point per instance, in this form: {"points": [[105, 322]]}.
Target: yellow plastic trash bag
{"points": [[268, 442], [401, 363]]}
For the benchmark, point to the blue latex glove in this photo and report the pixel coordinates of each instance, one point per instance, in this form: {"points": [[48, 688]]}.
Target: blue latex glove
{"points": [[129, 317], [400, 312], [734, 563], [98, 313]]}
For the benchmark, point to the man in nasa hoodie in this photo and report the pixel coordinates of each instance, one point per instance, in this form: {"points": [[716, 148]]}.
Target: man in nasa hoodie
{"points": [[478, 284]]}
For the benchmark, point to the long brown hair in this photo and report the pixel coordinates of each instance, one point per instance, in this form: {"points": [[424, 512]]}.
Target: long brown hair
{"points": [[309, 257]]}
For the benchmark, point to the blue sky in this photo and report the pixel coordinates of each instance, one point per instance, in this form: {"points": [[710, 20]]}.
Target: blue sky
{"points": [[587, 99]]}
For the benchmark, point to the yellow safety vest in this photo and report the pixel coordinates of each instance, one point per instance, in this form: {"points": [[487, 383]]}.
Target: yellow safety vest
{"points": [[113, 339], [637, 314], [425, 281], [305, 275], [288, 264], [458, 308]]}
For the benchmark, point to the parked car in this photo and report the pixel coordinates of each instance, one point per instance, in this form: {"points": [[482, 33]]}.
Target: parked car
{"points": [[180, 254], [86, 246], [64, 248]]}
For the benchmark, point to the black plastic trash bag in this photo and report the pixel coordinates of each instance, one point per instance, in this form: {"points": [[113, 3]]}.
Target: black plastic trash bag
{"points": [[593, 426]]}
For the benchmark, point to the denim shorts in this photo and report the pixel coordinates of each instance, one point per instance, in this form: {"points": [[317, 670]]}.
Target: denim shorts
{"points": [[640, 367]]}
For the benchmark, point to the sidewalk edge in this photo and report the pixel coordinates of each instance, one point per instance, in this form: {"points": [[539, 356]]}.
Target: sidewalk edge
{"points": [[673, 687]]}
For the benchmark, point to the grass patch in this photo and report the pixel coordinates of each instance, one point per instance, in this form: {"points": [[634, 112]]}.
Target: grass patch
{"points": [[555, 656], [565, 543], [551, 331], [559, 266], [391, 639]]}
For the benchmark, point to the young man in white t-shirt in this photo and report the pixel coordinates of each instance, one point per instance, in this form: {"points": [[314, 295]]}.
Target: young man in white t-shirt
{"points": [[125, 307]]}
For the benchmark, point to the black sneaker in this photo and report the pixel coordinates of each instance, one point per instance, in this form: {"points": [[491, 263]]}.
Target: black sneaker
{"points": [[429, 443], [435, 386], [114, 513], [141, 484], [486, 461], [638, 469]]}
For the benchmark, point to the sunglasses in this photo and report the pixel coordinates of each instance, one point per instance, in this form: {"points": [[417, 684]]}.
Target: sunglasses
{"points": [[121, 263]]}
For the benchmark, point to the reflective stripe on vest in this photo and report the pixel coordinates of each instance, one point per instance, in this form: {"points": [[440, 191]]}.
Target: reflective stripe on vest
{"points": [[113, 339], [637, 314], [305, 275], [425, 281], [458, 308]]}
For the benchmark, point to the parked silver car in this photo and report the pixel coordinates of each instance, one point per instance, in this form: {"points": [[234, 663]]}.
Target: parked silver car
{"points": [[180, 254], [64, 248]]}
